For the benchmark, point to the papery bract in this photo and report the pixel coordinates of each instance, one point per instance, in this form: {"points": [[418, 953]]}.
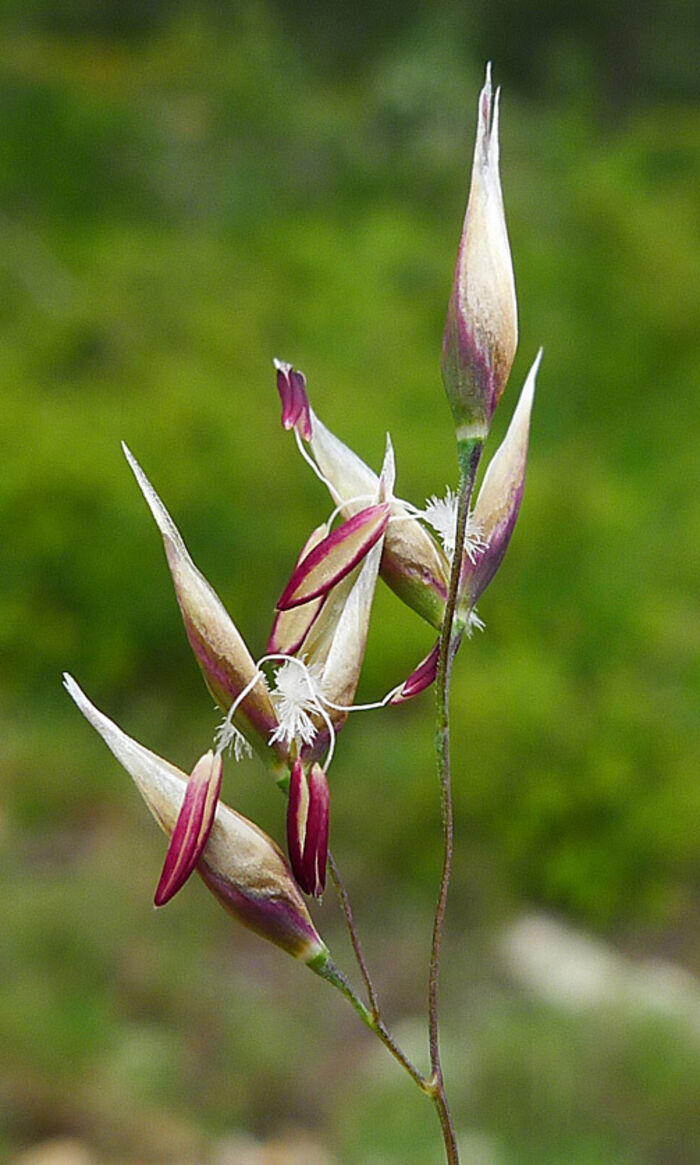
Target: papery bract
{"points": [[336, 641], [290, 627], [329, 632], [498, 503], [226, 664]]}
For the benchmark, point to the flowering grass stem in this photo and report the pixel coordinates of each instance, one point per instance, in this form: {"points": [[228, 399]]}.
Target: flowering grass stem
{"points": [[469, 454], [450, 636]]}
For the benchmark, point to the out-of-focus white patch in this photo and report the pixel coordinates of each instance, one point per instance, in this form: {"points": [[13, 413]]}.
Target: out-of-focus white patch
{"points": [[570, 969]]}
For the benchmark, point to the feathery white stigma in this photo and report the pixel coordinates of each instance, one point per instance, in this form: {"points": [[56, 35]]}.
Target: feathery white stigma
{"points": [[441, 514], [474, 623], [296, 696], [228, 736]]}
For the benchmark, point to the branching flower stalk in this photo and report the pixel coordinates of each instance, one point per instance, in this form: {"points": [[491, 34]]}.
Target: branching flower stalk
{"points": [[290, 703]]}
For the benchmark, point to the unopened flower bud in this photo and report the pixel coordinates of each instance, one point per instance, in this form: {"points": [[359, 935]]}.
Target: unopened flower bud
{"points": [[239, 863], [307, 826], [481, 332]]}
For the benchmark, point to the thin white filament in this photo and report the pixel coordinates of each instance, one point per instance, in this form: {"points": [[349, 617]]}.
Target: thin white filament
{"points": [[368, 498], [310, 461]]}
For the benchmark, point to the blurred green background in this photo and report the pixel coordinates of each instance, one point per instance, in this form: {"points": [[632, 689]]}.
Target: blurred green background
{"points": [[186, 191]]}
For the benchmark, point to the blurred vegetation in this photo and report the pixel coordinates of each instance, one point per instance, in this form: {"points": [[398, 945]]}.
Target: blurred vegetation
{"points": [[186, 192]]}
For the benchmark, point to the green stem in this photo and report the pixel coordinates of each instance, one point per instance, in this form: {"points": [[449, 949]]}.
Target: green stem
{"points": [[469, 454], [324, 966]]}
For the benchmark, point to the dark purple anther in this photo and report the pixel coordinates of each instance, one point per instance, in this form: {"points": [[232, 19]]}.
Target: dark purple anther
{"points": [[193, 827], [307, 827], [291, 385], [421, 678], [335, 556]]}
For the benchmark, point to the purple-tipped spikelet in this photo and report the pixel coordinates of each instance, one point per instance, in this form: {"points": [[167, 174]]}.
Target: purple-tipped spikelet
{"points": [[412, 563], [239, 863]]}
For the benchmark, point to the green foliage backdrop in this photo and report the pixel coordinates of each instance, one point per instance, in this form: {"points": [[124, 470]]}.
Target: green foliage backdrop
{"points": [[182, 198]]}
